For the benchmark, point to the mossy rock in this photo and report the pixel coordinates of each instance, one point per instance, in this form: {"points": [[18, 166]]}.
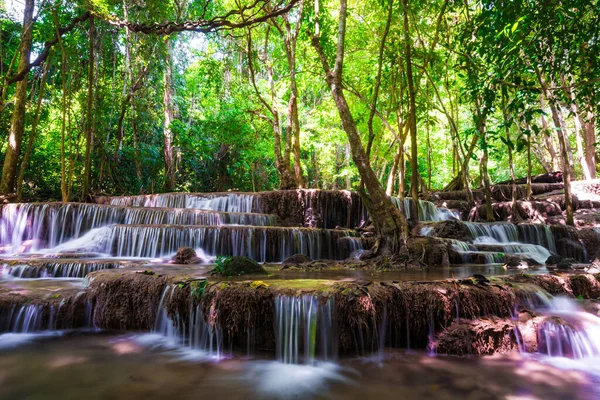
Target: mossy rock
{"points": [[237, 265]]}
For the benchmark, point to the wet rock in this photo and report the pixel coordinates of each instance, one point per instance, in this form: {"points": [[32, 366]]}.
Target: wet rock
{"points": [[432, 252], [554, 259], [128, 301], [479, 337], [296, 259], [238, 265], [186, 255], [515, 262], [570, 248], [585, 286], [451, 230]]}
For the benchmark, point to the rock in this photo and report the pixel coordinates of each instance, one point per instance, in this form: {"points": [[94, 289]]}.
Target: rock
{"points": [[431, 252], [186, 255], [564, 265], [451, 230], [512, 262], [366, 255], [554, 259], [480, 279], [237, 265], [296, 259], [480, 337]]}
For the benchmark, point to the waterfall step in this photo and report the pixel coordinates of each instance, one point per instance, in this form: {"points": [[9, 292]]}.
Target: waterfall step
{"points": [[29, 227], [263, 244], [58, 268]]}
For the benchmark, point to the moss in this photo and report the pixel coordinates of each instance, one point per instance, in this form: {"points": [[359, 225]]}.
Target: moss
{"points": [[237, 265], [258, 284]]}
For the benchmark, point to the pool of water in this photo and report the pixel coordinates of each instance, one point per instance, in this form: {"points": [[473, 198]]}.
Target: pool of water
{"points": [[108, 366]]}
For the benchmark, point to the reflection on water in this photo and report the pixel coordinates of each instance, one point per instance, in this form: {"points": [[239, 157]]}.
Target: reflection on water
{"points": [[103, 366]]}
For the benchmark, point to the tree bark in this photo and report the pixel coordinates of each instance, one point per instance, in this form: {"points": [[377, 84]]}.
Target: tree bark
{"points": [[169, 113], [589, 126], [17, 125], [511, 165], [33, 133], [482, 129], [562, 140], [412, 114], [389, 223], [89, 126], [287, 179]]}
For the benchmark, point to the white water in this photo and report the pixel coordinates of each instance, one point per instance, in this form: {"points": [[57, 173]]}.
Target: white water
{"points": [[195, 334], [427, 211], [302, 323]]}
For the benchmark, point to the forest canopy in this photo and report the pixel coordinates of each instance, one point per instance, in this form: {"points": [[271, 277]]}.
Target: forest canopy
{"points": [[250, 95]]}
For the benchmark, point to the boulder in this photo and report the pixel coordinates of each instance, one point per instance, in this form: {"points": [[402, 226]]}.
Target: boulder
{"points": [[482, 336], [451, 230], [296, 259], [238, 265], [432, 252], [186, 255]]}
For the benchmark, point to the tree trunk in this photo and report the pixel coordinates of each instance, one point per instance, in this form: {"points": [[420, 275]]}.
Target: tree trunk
{"points": [[33, 133], [589, 138], [482, 129], [562, 140], [412, 114], [511, 165], [548, 138], [389, 223], [17, 125], [89, 126], [168, 119], [282, 162], [393, 173]]}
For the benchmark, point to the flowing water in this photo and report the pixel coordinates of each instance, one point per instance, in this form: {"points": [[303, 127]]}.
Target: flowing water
{"points": [[51, 249]]}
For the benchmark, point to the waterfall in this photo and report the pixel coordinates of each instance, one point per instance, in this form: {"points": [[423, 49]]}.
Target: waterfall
{"points": [[502, 232], [56, 270], [263, 244], [26, 228], [194, 333], [427, 211], [229, 202], [301, 322], [566, 330], [27, 318]]}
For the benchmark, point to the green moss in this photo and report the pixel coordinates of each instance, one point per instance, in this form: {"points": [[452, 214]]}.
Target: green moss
{"points": [[236, 266]]}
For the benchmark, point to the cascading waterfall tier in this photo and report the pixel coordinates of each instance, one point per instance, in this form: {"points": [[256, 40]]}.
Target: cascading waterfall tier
{"points": [[193, 332], [72, 313], [565, 330], [302, 324], [228, 202], [30, 227], [427, 211], [263, 244], [68, 269]]}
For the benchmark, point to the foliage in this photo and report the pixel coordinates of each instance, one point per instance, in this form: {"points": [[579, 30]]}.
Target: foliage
{"points": [[467, 57]]}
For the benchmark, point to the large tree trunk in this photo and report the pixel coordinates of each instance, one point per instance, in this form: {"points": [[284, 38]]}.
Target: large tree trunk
{"points": [[282, 162], [412, 114], [17, 125], [548, 138], [562, 140], [389, 223], [33, 133], [482, 129], [514, 212], [169, 113], [394, 172], [89, 126], [589, 129]]}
